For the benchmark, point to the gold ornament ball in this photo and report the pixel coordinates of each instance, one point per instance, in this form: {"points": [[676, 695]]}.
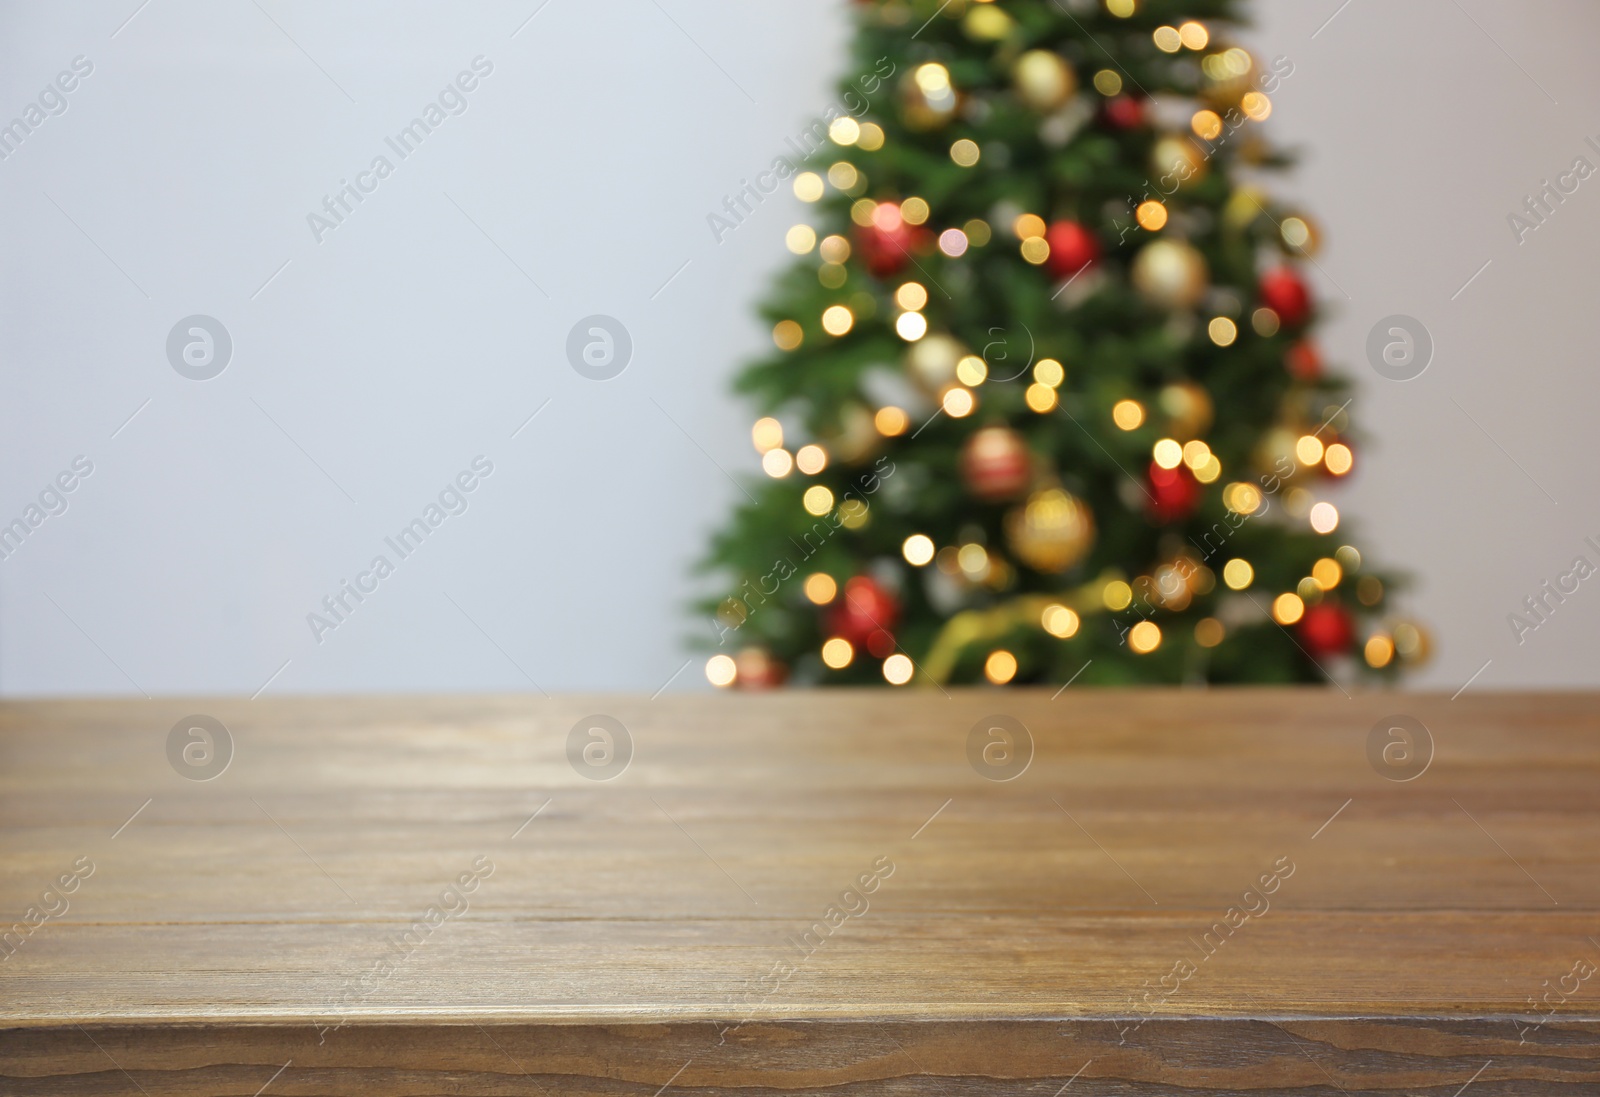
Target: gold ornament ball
{"points": [[758, 669], [987, 23], [1244, 205], [1299, 235], [1051, 531], [1188, 408], [1276, 452], [1412, 642], [928, 104], [995, 464], [894, 13], [1177, 161], [856, 435], [1170, 273], [932, 362], [1043, 80], [1228, 76]]}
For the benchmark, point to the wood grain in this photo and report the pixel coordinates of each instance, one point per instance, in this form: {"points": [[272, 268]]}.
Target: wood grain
{"points": [[1103, 916]]}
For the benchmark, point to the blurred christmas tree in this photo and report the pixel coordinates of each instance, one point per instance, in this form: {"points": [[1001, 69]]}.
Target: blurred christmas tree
{"points": [[1047, 350]]}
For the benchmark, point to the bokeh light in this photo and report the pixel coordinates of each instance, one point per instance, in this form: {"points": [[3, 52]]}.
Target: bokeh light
{"points": [[1059, 621], [1000, 667], [766, 434], [721, 671], [837, 652], [777, 463], [898, 669], [820, 588], [1144, 637], [1128, 414], [917, 549]]}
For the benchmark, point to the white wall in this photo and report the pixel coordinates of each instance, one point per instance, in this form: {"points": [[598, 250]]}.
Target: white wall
{"points": [[422, 332], [1423, 128]]}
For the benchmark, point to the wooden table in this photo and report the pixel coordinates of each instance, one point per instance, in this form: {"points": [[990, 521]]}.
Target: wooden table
{"points": [[1183, 892]]}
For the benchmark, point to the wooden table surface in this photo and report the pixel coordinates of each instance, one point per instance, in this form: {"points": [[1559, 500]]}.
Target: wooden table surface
{"points": [[1183, 892]]}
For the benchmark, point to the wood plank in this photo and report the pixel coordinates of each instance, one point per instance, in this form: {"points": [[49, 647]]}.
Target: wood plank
{"points": [[1107, 907]]}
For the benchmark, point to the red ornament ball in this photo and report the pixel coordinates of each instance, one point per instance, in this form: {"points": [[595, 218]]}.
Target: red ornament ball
{"points": [[1123, 112], [1174, 493], [1326, 629], [1303, 361], [884, 253], [758, 669], [887, 243], [1072, 247], [864, 609], [1283, 292], [996, 464]]}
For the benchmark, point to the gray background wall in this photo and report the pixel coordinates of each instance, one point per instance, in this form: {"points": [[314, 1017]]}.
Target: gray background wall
{"points": [[372, 367]]}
